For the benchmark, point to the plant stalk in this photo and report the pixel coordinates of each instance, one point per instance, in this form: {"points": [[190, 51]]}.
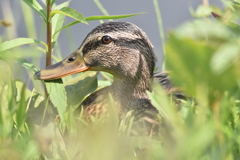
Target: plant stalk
{"points": [[49, 35], [205, 3]]}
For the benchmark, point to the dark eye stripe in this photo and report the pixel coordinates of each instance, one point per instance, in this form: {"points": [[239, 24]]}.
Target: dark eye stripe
{"points": [[121, 41], [94, 44], [91, 45]]}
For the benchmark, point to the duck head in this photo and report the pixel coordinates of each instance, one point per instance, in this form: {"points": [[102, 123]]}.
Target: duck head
{"points": [[119, 48]]}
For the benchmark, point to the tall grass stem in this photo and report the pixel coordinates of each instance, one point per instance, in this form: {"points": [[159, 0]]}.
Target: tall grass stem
{"points": [[160, 24], [102, 9]]}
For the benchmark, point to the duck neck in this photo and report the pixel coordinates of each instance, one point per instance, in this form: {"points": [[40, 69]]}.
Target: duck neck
{"points": [[129, 91]]}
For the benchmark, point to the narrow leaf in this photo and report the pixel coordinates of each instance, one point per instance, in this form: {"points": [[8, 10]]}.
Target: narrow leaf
{"points": [[52, 2], [203, 11], [21, 110], [20, 86], [235, 2], [69, 25], [92, 18], [77, 88], [224, 57], [57, 95], [70, 13], [37, 7], [29, 66], [19, 42], [57, 22], [233, 26]]}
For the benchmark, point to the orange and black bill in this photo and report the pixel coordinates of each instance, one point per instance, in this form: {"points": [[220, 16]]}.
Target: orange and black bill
{"points": [[72, 64]]}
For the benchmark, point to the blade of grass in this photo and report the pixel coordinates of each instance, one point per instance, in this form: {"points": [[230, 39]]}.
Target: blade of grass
{"points": [[160, 26], [29, 20], [102, 9], [21, 110]]}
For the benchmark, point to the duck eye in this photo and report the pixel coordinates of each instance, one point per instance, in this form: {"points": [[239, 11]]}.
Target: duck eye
{"points": [[106, 39], [71, 59]]}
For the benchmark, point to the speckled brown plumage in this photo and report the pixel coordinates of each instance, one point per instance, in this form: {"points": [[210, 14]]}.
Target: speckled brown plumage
{"points": [[129, 58], [123, 50]]}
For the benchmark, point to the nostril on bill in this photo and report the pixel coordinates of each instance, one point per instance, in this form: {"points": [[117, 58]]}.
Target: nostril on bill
{"points": [[71, 59]]}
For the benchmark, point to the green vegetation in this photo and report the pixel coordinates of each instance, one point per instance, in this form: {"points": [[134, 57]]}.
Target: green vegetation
{"points": [[203, 59]]}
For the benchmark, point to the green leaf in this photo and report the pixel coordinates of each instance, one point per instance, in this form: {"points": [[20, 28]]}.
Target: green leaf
{"points": [[57, 22], [31, 150], [77, 88], [19, 87], [189, 61], [68, 25], [201, 137], [19, 42], [21, 110], [104, 83], [203, 11], [27, 65], [233, 26], [37, 7], [52, 2], [57, 95], [224, 57], [202, 29], [235, 2], [158, 103], [70, 13], [92, 18], [7, 104]]}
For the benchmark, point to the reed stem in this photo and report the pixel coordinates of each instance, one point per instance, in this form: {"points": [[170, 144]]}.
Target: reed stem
{"points": [[49, 34]]}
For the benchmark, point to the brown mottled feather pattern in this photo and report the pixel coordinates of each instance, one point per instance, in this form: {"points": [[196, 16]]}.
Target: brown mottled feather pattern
{"points": [[125, 51], [131, 61]]}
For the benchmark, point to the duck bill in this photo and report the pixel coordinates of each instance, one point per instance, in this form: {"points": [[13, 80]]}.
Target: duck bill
{"points": [[71, 65]]}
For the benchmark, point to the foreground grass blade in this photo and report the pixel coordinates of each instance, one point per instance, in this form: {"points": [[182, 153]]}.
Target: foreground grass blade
{"points": [[92, 18], [70, 13], [19, 42], [36, 7], [21, 110]]}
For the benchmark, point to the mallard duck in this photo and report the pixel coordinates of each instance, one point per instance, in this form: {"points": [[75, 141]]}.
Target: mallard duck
{"points": [[123, 50]]}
